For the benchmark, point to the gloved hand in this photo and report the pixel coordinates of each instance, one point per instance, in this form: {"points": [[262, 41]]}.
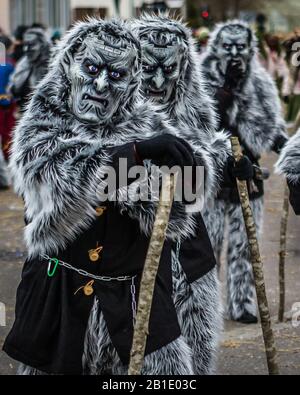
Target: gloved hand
{"points": [[295, 196], [166, 150], [243, 169], [234, 73]]}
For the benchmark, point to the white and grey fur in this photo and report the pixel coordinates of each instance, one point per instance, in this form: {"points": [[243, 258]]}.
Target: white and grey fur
{"points": [[288, 163], [4, 177], [257, 114], [191, 112], [57, 164]]}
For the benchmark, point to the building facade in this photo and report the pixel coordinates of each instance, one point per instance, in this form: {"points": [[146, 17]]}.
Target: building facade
{"points": [[59, 14]]}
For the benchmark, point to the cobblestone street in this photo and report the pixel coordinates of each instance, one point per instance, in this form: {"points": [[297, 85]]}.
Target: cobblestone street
{"points": [[242, 350]]}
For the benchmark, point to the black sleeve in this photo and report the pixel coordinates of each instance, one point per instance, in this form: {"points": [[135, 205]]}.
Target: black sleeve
{"points": [[279, 143], [295, 196], [224, 99]]}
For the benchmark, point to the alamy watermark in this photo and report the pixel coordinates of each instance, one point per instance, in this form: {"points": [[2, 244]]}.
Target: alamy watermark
{"points": [[296, 55], [143, 184], [2, 314]]}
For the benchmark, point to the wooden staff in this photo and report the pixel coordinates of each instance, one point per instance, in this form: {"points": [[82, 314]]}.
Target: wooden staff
{"points": [[282, 253], [257, 267], [141, 329]]}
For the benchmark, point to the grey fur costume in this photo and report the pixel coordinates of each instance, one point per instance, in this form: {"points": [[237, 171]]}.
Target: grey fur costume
{"points": [[289, 165], [4, 178], [289, 160], [255, 113], [29, 71], [57, 163], [191, 111]]}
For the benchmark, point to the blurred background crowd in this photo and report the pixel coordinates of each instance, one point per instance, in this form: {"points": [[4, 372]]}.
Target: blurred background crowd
{"points": [[29, 28]]}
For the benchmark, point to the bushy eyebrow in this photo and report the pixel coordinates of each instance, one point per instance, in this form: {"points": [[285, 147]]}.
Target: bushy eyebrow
{"points": [[121, 70], [170, 61], [94, 61]]}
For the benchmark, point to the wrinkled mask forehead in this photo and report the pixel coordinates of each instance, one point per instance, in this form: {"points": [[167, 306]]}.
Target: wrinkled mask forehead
{"points": [[161, 55], [162, 47], [106, 49], [234, 36]]}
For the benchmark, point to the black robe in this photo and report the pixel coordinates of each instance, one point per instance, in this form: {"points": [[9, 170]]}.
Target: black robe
{"points": [[51, 317]]}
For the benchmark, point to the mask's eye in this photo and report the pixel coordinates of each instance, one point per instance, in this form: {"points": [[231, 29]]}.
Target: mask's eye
{"points": [[241, 47], [170, 69], [227, 47], [92, 69], [147, 68], [115, 75]]}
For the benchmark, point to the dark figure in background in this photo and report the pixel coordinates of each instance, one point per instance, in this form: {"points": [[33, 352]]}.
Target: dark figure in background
{"points": [[7, 108], [32, 66], [249, 107], [289, 165], [18, 51]]}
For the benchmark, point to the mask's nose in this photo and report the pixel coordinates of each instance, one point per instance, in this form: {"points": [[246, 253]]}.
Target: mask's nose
{"points": [[101, 82], [234, 51], [158, 80]]}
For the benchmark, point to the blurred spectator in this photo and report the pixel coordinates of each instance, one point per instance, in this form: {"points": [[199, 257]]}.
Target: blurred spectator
{"points": [[291, 83], [201, 35], [7, 108], [32, 67], [18, 44], [275, 61], [56, 36]]}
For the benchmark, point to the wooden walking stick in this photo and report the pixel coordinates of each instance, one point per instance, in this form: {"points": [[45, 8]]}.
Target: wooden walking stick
{"points": [[141, 329], [257, 266], [282, 253]]}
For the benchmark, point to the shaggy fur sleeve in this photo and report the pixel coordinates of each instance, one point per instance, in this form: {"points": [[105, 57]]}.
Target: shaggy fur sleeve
{"points": [[212, 154], [254, 110], [211, 151], [257, 113], [58, 176], [289, 160]]}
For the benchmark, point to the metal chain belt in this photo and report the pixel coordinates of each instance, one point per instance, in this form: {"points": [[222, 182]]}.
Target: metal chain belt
{"points": [[133, 301], [86, 274]]}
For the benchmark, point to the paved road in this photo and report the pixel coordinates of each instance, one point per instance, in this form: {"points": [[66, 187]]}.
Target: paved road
{"points": [[241, 349]]}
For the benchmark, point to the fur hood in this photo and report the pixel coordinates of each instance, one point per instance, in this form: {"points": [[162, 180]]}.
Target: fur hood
{"points": [[58, 162], [192, 112], [289, 160], [256, 111]]}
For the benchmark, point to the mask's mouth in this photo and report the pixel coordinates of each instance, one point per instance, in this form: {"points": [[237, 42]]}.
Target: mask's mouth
{"points": [[96, 99], [156, 93]]}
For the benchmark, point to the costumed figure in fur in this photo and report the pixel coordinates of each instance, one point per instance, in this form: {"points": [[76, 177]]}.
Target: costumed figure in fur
{"points": [[289, 165], [4, 178], [248, 107], [32, 67], [172, 80], [86, 250]]}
